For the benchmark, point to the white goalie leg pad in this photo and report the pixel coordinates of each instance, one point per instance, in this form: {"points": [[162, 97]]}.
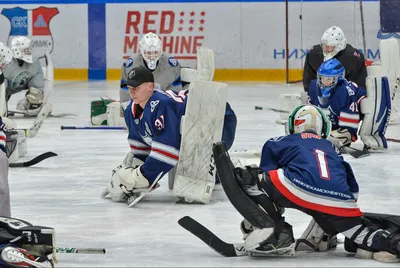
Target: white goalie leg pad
{"points": [[287, 103], [376, 109], [188, 74], [201, 128], [389, 64], [115, 114], [205, 67], [3, 102], [49, 77], [314, 238]]}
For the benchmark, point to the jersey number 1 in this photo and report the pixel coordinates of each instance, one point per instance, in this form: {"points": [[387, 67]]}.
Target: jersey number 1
{"points": [[322, 164]]}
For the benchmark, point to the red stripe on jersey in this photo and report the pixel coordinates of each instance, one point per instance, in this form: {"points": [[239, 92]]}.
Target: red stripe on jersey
{"points": [[342, 212], [139, 148], [349, 120], [168, 154]]}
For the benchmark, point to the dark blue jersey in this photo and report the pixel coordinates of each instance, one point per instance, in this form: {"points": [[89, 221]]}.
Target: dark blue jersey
{"points": [[343, 106], [311, 173]]}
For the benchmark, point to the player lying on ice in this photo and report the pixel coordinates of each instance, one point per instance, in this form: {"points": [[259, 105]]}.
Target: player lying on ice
{"points": [[302, 171], [153, 119]]}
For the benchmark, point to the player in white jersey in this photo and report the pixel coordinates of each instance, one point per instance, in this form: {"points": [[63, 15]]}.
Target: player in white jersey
{"points": [[165, 68], [24, 73], [167, 76]]}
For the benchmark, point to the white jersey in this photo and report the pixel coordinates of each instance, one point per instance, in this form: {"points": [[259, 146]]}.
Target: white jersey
{"points": [[167, 75], [21, 77]]}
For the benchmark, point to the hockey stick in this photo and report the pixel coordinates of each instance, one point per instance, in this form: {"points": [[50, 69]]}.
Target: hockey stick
{"points": [[214, 242], [355, 152], [80, 250], [363, 29], [34, 161], [50, 115], [393, 140], [271, 109], [86, 128]]}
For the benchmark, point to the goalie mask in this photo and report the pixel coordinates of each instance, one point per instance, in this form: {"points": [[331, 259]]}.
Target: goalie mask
{"points": [[328, 76], [5, 56], [11, 142], [22, 49], [333, 41], [151, 49], [308, 118]]}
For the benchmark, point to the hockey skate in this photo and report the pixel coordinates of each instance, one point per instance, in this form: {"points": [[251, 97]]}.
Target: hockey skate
{"points": [[13, 256]]}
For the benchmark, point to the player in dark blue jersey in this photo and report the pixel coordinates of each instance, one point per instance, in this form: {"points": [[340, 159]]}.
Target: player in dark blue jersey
{"points": [[339, 99], [303, 171], [153, 119]]}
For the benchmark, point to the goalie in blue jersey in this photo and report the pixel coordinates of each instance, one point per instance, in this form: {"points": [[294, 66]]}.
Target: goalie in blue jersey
{"points": [[302, 171], [153, 119], [347, 105]]}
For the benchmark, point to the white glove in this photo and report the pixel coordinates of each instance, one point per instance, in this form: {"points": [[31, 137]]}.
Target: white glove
{"points": [[129, 178], [340, 137]]}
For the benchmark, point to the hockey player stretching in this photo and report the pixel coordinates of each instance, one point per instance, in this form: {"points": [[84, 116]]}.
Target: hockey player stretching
{"points": [[153, 119], [303, 171], [339, 99], [25, 73], [334, 45]]}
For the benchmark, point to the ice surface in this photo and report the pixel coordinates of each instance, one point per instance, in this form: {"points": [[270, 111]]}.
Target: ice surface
{"points": [[64, 192]]}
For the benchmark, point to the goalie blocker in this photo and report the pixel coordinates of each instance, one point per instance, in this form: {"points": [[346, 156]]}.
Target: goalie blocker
{"points": [[25, 245]]}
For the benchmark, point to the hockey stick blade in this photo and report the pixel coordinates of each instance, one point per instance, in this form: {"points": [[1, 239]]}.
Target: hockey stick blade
{"points": [[214, 242], [271, 109], [34, 161], [356, 153]]}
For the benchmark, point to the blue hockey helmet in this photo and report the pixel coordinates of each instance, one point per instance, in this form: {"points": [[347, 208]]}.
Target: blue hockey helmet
{"points": [[328, 76]]}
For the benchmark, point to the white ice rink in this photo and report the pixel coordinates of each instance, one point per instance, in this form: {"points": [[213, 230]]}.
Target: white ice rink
{"points": [[64, 192]]}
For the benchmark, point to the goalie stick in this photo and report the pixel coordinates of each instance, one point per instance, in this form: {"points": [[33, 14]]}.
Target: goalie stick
{"points": [[214, 242], [271, 109], [34, 161]]}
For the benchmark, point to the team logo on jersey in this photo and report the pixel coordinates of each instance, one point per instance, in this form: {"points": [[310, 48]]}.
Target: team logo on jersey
{"points": [[172, 61], [128, 63], [153, 105], [276, 139], [350, 91], [34, 24], [159, 123]]}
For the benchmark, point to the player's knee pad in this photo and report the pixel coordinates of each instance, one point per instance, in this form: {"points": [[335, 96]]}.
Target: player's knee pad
{"points": [[314, 238], [376, 109]]}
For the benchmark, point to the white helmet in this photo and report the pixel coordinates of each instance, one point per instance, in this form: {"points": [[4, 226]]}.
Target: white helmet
{"points": [[22, 49], [5, 55], [308, 118], [151, 49], [333, 41]]}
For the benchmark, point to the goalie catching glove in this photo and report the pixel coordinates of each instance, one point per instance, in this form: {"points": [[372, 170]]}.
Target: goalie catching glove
{"points": [[340, 137], [125, 179]]}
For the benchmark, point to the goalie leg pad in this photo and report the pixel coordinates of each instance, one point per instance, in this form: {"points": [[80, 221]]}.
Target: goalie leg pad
{"points": [[98, 112], [244, 204], [115, 114], [288, 102], [376, 109]]}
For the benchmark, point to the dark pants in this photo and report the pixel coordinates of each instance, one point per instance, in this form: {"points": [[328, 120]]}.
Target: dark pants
{"points": [[331, 224]]}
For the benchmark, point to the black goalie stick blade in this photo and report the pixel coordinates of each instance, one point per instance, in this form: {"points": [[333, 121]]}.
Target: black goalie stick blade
{"points": [[357, 153], [221, 247], [34, 161]]}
